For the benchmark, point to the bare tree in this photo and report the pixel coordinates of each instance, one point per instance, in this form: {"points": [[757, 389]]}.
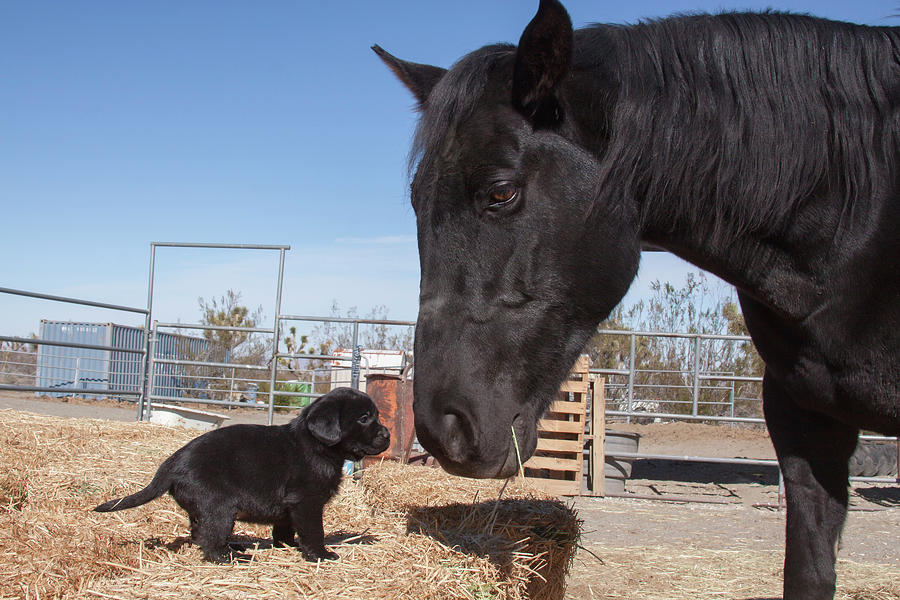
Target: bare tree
{"points": [[330, 336], [664, 365], [229, 345], [226, 311]]}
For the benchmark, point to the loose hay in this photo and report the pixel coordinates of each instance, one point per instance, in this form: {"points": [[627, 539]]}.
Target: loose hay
{"points": [[402, 532], [54, 470]]}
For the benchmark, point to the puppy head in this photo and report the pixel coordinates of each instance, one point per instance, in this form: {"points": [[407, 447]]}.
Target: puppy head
{"points": [[347, 419]]}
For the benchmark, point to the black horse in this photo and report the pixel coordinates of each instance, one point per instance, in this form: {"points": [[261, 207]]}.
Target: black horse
{"points": [[761, 147]]}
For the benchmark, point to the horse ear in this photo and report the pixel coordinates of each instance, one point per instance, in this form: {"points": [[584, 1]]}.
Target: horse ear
{"points": [[542, 61], [323, 420], [418, 78]]}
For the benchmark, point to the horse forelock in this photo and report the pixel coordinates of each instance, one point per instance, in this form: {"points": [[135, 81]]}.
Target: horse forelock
{"points": [[455, 97], [749, 115]]}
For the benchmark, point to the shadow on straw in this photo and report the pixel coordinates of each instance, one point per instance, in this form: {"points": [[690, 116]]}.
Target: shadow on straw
{"points": [[495, 529]]}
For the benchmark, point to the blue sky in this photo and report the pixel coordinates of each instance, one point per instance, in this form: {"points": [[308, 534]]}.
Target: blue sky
{"points": [[123, 123]]}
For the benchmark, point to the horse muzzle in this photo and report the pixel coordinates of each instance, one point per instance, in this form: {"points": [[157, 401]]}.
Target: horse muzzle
{"points": [[482, 449]]}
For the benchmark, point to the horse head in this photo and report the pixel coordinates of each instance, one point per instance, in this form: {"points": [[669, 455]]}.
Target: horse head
{"points": [[520, 258]]}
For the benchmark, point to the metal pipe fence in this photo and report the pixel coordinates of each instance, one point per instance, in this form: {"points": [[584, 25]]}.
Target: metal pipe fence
{"points": [[103, 387], [695, 387], [356, 358], [207, 381], [639, 394], [148, 374], [17, 366], [182, 376], [704, 388]]}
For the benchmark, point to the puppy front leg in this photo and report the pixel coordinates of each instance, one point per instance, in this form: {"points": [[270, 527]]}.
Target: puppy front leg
{"points": [[307, 520], [195, 528]]}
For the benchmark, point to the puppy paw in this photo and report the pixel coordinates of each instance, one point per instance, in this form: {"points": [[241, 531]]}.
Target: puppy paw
{"points": [[217, 557], [329, 555], [317, 555]]}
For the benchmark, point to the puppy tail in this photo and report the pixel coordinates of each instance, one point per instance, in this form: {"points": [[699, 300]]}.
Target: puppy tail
{"points": [[157, 487]]}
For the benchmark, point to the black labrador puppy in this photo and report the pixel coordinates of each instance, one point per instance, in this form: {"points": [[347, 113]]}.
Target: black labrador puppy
{"points": [[280, 475]]}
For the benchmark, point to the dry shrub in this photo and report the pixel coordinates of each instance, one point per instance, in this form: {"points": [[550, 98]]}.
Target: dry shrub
{"points": [[53, 471]]}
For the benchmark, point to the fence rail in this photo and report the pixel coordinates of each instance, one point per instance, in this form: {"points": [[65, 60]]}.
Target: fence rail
{"points": [[28, 294], [80, 384], [698, 391]]}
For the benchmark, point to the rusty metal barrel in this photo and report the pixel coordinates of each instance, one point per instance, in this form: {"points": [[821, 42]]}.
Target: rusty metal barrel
{"points": [[394, 398]]}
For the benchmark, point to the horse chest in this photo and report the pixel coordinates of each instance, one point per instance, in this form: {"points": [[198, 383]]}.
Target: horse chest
{"points": [[848, 373]]}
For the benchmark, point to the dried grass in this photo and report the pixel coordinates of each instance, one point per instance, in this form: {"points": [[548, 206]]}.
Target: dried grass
{"points": [[402, 533], [54, 470], [688, 573], [529, 535]]}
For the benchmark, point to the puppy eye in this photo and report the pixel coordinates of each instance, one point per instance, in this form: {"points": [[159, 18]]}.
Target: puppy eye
{"points": [[364, 420]]}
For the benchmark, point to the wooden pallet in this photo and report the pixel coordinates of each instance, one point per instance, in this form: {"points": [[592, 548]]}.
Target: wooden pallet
{"points": [[557, 466]]}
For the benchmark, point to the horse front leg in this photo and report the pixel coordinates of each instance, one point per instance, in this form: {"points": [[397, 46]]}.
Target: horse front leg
{"points": [[813, 452]]}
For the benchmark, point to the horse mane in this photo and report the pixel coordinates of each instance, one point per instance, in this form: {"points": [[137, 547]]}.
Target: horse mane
{"points": [[746, 116], [742, 116]]}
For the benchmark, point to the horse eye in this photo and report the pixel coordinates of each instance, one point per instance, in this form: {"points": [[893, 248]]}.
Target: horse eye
{"points": [[502, 194]]}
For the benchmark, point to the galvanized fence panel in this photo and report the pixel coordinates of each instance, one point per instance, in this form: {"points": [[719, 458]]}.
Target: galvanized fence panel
{"points": [[70, 357], [203, 381], [117, 361]]}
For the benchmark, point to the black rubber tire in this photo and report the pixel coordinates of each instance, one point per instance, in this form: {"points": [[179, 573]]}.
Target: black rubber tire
{"points": [[889, 462], [874, 459]]}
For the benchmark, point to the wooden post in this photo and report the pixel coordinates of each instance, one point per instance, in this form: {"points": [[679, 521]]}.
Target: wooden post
{"points": [[598, 436]]}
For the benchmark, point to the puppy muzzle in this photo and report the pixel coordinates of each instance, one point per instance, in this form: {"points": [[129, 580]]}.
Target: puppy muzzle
{"points": [[382, 440], [376, 445]]}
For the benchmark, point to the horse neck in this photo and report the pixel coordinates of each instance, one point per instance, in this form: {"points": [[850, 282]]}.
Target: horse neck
{"points": [[676, 214], [732, 169]]}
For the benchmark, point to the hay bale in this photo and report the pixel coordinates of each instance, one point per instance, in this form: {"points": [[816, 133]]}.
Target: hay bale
{"points": [[530, 535], [55, 470]]}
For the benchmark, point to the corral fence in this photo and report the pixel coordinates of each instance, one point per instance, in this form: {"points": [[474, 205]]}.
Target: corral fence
{"points": [[166, 363], [180, 363], [694, 388], [20, 358], [287, 380]]}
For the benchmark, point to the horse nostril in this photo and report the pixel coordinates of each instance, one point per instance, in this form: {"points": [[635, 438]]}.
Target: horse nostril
{"points": [[458, 437]]}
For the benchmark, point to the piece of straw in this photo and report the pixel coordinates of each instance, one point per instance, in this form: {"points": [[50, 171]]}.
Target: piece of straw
{"points": [[518, 456]]}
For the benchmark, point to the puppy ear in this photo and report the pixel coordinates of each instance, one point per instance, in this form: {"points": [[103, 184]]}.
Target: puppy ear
{"points": [[323, 420]]}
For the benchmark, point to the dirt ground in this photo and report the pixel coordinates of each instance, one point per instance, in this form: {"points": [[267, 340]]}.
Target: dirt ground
{"points": [[639, 548], [739, 515]]}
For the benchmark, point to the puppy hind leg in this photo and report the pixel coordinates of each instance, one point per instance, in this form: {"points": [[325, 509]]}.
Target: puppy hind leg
{"points": [[212, 536]]}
